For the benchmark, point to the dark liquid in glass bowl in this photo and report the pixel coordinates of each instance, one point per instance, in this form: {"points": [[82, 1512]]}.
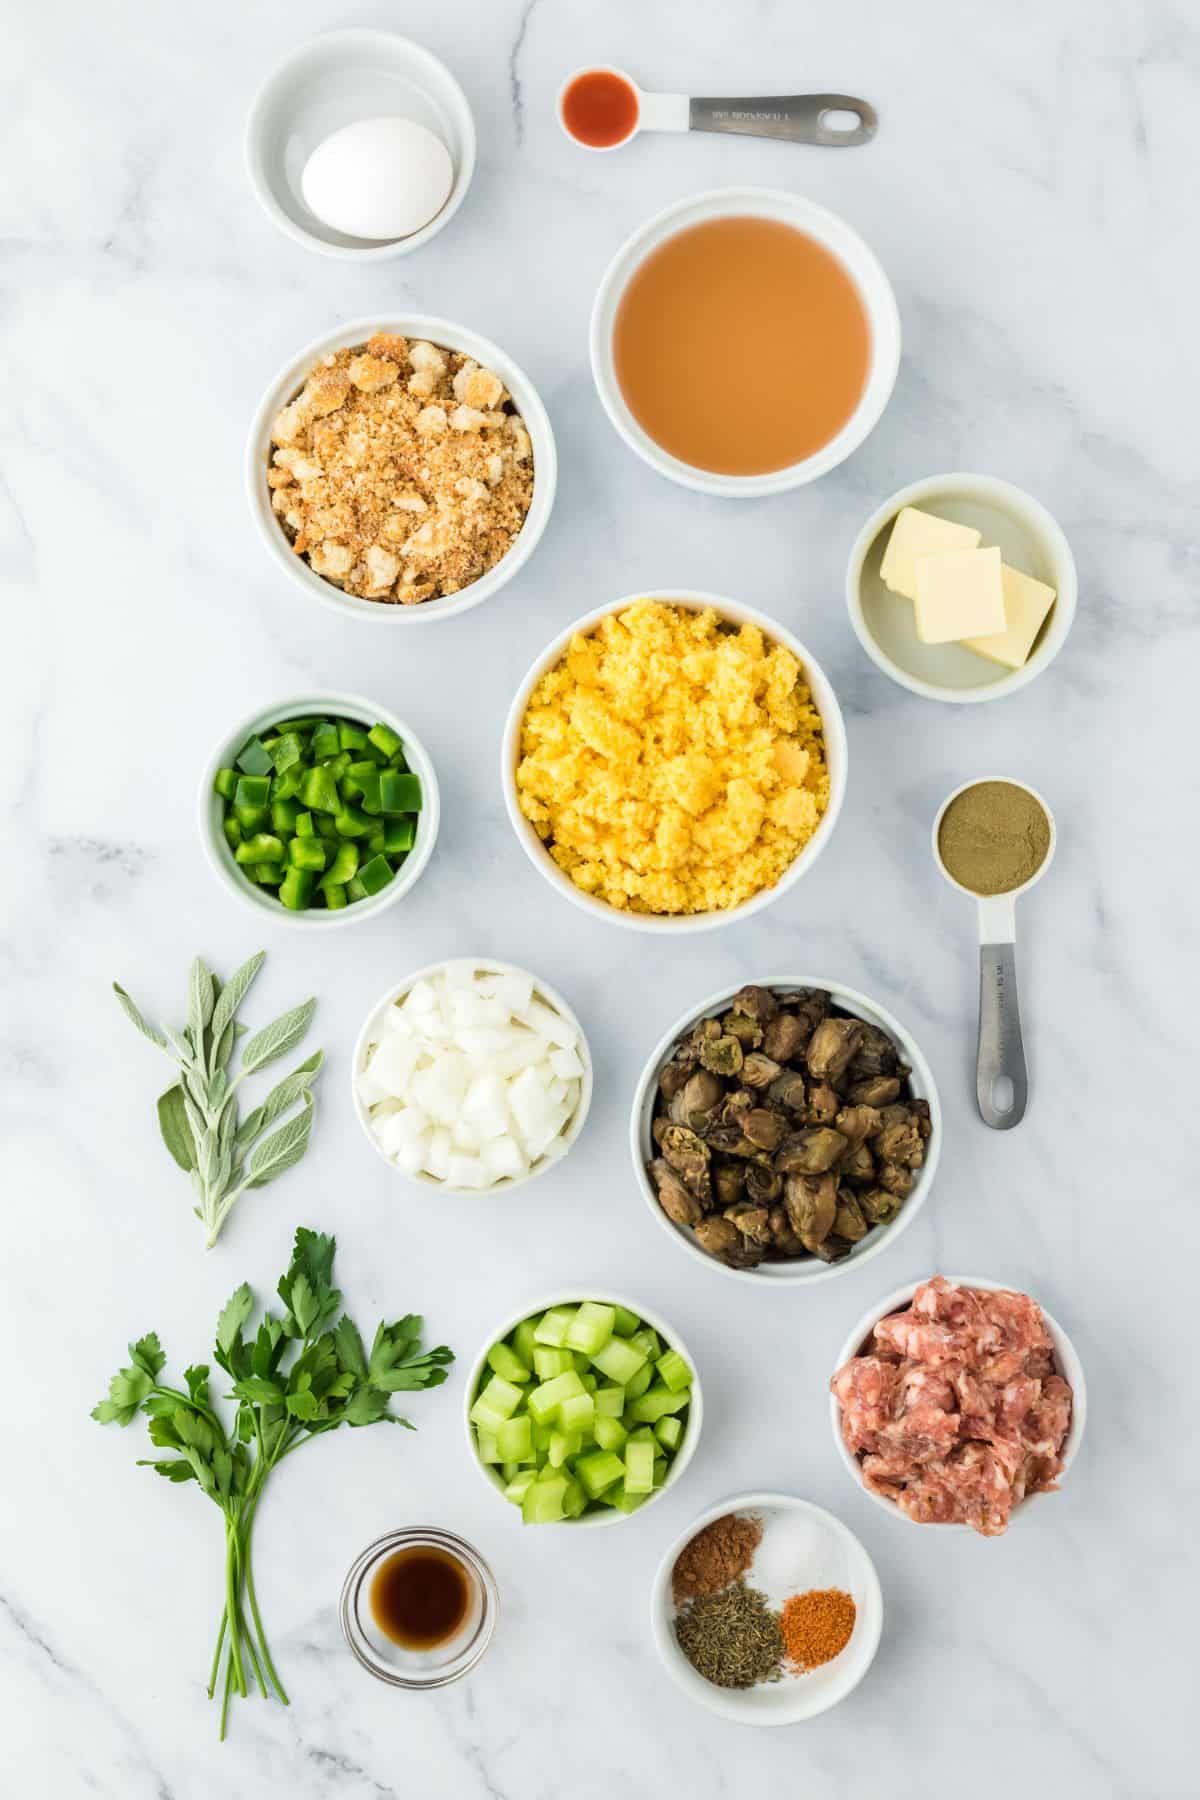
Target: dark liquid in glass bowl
{"points": [[420, 1597]]}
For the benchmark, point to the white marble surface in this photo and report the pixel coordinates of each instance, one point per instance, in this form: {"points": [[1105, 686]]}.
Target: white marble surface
{"points": [[1028, 194]]}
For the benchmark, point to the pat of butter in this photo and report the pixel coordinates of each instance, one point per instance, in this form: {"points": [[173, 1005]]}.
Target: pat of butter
{"points": [[1026, 603], [959, 595], [914, 534]]}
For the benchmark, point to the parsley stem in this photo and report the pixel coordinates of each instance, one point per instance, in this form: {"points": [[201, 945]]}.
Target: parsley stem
{"points": [[225, 1696], [216, 1661], [247, 1526], [235, 1653]]}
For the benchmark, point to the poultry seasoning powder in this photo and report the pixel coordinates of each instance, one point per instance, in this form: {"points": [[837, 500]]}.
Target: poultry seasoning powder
{"points": [[672, 763]]}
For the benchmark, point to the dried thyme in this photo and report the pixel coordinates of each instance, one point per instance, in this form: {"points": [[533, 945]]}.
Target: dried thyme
{"points": [[732, 1638]]}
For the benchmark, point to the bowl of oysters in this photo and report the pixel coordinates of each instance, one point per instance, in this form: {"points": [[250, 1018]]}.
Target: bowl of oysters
{"points": [[785, 1130]]}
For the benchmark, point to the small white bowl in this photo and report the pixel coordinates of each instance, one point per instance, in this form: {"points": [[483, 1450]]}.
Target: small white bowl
{"points": [[368, 1037], [263, 900], [834, 730], [448, 336], [837, 1559], [572, 1297], [1069, 1366], [809, 1269], [842, 241], [1030, 540], [336, 80]]}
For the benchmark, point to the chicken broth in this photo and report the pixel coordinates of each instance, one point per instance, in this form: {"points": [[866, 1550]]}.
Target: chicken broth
{"points": [[420, 1597], [741, 346]]}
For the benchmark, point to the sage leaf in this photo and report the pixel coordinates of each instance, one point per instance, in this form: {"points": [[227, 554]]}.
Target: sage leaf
{"points": [[278, 1038], [282, 1150], [284, 1094], [200, 1002], [174, 1127], [147, 1030], [231, 997]]}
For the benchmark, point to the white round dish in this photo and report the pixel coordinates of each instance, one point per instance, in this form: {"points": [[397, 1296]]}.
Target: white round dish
{"points": [[1030, 540], [1065, 1354], [810, 1269], [369, 1036], [834, 729], [262, 900], [571, 1297], [825, 1553], [447, 335], [842, 241], [336, 80]]}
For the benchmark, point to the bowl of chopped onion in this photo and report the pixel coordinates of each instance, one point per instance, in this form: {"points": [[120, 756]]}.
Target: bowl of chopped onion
{"points": [[471, 1075]]}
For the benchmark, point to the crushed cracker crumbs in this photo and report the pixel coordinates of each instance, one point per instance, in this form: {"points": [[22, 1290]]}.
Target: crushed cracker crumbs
{"points": [[672, 762], [401, 471]]}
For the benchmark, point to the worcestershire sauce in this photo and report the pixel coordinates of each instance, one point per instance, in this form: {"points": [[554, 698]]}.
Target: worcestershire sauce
{"points": [[420, 1596]]}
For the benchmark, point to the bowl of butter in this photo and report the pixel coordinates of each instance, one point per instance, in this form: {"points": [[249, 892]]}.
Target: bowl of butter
{"points": [[961, 588]]}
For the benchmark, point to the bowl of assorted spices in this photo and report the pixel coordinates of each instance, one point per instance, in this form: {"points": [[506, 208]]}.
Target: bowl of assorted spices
{"points": [[767, 1610]]}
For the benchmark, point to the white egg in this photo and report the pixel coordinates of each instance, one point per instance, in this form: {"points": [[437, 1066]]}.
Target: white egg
{"points": [[378, 178]]}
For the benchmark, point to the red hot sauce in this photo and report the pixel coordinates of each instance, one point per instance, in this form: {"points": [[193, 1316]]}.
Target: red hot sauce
{"points": [[600, 108]]}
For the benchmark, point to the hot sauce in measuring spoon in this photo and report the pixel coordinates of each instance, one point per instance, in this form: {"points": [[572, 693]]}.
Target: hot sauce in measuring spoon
{"points": [[600, 108]]}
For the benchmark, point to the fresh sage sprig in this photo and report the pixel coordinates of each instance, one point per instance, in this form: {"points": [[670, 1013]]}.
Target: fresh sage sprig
{"points": [[198, 1115], [296, 1377]]}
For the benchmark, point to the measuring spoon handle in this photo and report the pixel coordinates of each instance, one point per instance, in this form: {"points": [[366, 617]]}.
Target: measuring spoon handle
{"points": [[1001, 1052], [796, 118]]}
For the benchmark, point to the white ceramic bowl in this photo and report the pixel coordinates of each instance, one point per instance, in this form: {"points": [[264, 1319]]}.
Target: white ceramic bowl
{"points": [[1069, 1366], [368, 1037], [837, 1560], [335, 80], [263, 900], [572, 1297], [1029, 539], [824, 699], [809, 1269], [291, 379], [842, 241]]}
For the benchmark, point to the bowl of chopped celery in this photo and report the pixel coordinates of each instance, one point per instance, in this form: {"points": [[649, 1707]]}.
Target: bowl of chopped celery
{"points": [[319, 810], [580, 1412]]}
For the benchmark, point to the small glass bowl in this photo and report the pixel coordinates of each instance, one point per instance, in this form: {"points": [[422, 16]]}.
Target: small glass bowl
{"points": [[389, 1661]]}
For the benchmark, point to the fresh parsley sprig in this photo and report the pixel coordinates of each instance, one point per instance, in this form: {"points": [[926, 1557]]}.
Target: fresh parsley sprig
{"points": [[300, 1374], [198, 1114]]}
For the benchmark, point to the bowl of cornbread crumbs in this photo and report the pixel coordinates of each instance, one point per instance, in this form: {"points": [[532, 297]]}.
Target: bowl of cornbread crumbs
{"points": [[401, 468], [674, 762]]}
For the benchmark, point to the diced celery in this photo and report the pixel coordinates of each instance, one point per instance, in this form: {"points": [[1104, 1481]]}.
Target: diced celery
{"points": [[659, 1400], [637, 1384], [574, 1500], [503, 1396], [669, 1431], [519, 1486], [591, 1327], [598, 1470], [549, 1363], [507, 1363], [545, 1400], [553, 1326], [619, 1360], [577, 1414], [541, 1437], [509, 1470], [626, 1502], [543, 1500], [562, 1445], [639, 1467], [642, 1434], [579, 1360], [486, 1418], [515, 1438], [610, 1401], [626, 1323], [589, 1381], [660, 1470], [647, 1339], [489, 1449], [674, 1371], [523, 1341], [609, 1432]]}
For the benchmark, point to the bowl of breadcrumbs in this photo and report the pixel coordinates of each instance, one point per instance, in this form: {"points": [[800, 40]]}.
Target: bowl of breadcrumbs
{"points": [[401, 469], [674, 762]]}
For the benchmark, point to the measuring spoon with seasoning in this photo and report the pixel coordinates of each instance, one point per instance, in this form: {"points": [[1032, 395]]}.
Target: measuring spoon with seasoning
{"points": [[602, 108], [993, 840]]}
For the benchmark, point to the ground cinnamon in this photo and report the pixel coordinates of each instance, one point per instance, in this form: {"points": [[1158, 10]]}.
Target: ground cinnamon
{"points": [[816, 1626], [716, 1556]]}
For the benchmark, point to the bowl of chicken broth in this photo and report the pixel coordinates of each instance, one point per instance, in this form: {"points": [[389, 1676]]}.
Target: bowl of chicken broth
{"points": [[745, 341]]}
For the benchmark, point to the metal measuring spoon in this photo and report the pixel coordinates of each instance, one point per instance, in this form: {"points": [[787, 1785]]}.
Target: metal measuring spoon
{"points": [[836, 121], [1001, 1078]]}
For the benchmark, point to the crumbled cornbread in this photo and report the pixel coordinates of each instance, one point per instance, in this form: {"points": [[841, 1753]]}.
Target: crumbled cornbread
{"points": [[673, 763], [401, 470]]}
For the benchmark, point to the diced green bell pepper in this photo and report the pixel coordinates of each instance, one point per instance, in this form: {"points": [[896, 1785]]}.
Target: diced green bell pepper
{"points": [[319, 791], [225, 783], [262, 847], [295, 890], [376, 874], [254, 760], [385, 739], [399, 793], [307, 853]]}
